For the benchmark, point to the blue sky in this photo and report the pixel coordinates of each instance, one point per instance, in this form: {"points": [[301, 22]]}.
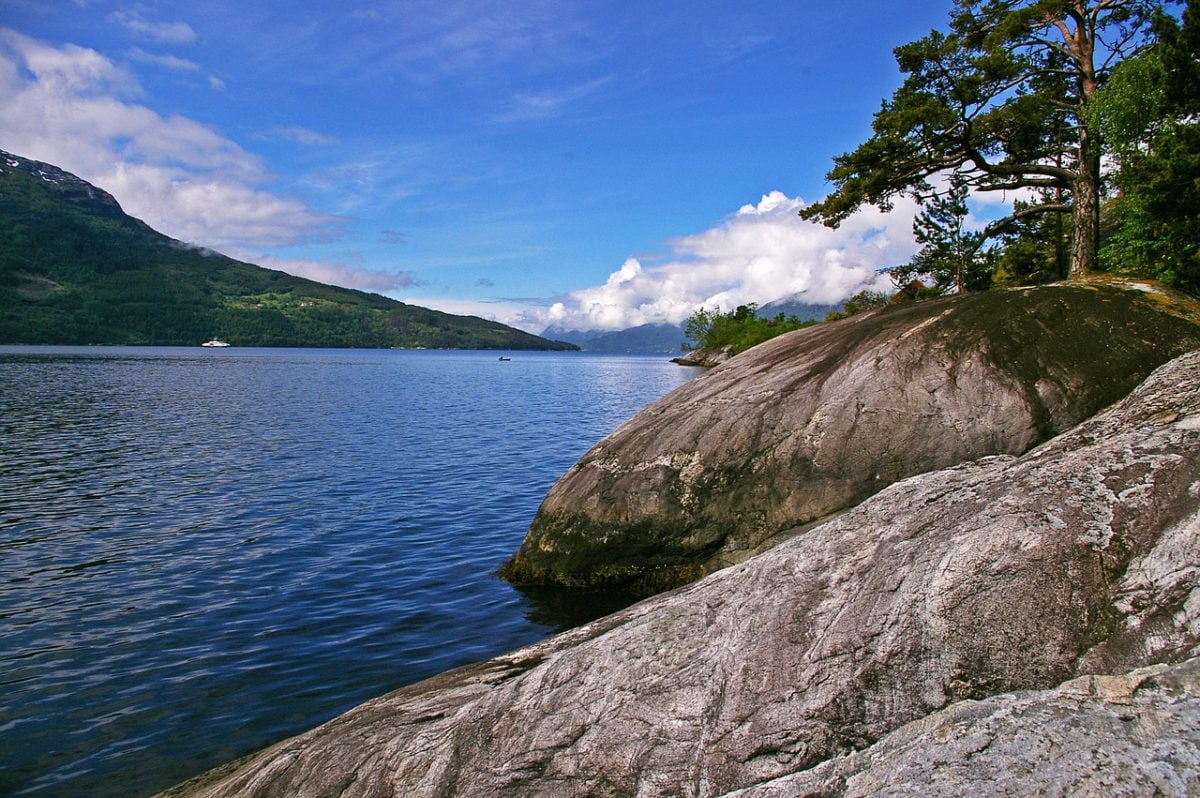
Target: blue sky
{"points": [[581, 164]]}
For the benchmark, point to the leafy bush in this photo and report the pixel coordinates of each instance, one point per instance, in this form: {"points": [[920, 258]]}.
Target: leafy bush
{"points": [[859, 303], [737, 329]]}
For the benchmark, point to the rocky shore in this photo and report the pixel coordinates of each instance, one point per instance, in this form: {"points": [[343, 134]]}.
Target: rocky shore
{"points": [[1020, 623], [705, 358], [814, 421]]}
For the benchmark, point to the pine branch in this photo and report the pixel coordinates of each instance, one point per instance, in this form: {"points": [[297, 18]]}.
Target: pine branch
{"points": [[999, 225]]}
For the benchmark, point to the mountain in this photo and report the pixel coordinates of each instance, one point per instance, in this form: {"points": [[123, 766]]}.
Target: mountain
{"points": [[76, 269], [795, 305], [577, 337], [644, 339]]}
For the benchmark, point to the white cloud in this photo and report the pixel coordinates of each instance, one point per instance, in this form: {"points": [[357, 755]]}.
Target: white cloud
{"points": [[68, 69], [514, 314], [333, 273], [167, 32], [166, 61], [300, 135], [761, 253], [210, 210], [73, 107], [527, 106]]}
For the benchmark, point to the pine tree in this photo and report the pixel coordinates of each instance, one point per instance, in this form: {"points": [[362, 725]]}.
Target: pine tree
{"points": [[1003, 98]]}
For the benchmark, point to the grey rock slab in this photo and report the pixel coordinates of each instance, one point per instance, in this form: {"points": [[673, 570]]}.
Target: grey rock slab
{"points": [[1010, 573], [1122, 736]]}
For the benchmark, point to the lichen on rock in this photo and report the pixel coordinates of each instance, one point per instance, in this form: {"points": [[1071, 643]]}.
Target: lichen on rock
{"points": [[1132, 734]]}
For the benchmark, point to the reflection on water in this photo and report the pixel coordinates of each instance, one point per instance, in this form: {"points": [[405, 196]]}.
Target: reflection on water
{"points": [[205, 551], [561, 608]]}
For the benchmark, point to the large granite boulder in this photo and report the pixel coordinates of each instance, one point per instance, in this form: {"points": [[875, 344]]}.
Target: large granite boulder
{"points": [[815, 421], [1080, 557]]}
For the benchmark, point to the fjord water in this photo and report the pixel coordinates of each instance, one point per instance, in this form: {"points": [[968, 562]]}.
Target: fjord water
{"points": [[205, 551]]}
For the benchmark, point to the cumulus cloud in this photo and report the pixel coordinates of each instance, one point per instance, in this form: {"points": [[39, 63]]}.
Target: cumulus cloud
{"points": [[761, 253], [210, 210], [68, 69], [334, 273], [73, 107]]}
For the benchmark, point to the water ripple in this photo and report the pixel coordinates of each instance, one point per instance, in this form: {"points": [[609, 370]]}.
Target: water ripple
{"points": [[204, 552]]}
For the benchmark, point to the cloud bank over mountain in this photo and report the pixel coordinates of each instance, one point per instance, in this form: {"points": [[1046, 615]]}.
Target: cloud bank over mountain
{"points": [[760, 253], [73, 107]]}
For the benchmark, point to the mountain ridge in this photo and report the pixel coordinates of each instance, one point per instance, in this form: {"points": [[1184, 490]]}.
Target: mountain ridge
{"points": [[661, 338], [76, 269], [666, 338]]}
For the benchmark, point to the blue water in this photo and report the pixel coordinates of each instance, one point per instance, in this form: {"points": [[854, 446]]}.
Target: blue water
{"points": [[205, 551]]}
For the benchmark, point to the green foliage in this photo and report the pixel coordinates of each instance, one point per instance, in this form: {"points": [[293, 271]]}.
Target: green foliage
{"points": [[1001, 99], [860, 303], [950, 254], [74, 269], [1150, 113], [1033, 250], [864, 301], [738, 329]]}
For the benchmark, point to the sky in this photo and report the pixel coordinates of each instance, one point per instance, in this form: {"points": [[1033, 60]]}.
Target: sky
{"points": [[572, 165]]}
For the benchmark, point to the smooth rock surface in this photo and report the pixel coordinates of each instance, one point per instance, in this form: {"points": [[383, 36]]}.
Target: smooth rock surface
{"points": [[814, 421], [1010, 573]]}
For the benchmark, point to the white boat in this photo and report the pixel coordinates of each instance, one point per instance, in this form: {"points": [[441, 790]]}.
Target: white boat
{"points": [[214, 342]]}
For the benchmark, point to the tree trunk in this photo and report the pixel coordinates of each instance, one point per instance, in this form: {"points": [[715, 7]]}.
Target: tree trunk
{"points": [[1085, 224], [1085, 211]]}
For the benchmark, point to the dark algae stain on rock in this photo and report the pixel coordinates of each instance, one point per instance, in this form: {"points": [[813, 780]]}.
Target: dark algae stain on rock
{"points": [[810, 423], [1075, 349], [636, 556]]}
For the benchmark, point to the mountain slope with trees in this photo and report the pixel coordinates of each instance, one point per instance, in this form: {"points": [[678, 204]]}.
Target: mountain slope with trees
{"points": [[75, 269], [661, 338]]}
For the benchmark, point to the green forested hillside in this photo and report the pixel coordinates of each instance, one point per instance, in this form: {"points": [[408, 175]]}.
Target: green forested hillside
{"points": [[75, 269]]}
